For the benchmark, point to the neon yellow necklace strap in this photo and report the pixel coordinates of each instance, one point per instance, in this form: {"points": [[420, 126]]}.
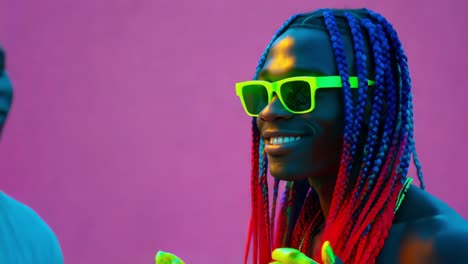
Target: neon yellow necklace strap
{"points": [[402, 194]]}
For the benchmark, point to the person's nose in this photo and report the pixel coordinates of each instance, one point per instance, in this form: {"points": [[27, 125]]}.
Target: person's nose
{"points": [[275, 110]]}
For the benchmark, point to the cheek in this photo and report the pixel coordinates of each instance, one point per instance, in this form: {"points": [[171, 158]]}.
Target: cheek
{"points": [[329, 105], [329, 142], [328, 117]]}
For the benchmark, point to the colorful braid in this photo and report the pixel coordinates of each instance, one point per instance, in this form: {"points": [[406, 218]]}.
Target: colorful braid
{"points": [[273, 207], [372, 162], [390, 175], [253, 225], [406, 85], [388, 129], [391, 99], [293, 200], [384, 225], [346, 159], [361, 58], [377, 106], [264, 215], [372, 138]]}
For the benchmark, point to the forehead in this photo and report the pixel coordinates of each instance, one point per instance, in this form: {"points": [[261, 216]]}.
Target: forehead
{"points": [[302, 51]]}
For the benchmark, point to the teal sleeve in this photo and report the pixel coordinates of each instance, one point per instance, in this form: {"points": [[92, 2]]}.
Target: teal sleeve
{"points": [[24, 236]]}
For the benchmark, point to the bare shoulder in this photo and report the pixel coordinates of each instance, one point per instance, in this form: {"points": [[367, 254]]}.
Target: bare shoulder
{"points": [[432, 232], [451, 245]]}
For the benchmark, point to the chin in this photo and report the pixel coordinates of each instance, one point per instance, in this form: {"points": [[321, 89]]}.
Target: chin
{"points": [[286, 173]]}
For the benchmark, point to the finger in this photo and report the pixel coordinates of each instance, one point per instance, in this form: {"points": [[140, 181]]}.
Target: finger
{"points": [[284, 254], [328, 256], [167, 258], [162, 258], [291, 256]]}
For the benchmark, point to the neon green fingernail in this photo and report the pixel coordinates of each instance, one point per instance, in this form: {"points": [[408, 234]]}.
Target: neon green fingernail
{"points": [[328, 257]]}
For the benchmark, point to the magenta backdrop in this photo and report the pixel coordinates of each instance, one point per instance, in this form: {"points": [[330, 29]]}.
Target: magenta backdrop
{"points": [[126, 134]]}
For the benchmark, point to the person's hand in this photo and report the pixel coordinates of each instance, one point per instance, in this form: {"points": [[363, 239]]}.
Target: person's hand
{"points": [[294, 256], [167, 258], [290, 256]]}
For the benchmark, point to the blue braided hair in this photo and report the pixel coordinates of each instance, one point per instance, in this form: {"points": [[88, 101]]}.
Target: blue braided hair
{"points": [[340, 57], [406, 85], [387, 139]]}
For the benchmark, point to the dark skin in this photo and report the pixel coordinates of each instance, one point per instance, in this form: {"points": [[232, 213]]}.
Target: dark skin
{"points": [[425, 230]]}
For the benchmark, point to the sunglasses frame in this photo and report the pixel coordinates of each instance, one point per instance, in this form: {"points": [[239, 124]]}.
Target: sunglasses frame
{"points": [[315, 82]]}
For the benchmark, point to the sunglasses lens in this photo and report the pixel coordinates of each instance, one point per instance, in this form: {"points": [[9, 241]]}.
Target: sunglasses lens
{"points": [[296, 95], [255, 98]]}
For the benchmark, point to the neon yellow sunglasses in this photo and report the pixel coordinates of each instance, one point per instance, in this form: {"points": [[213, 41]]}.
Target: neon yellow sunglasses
{"points": [[297, 94]]}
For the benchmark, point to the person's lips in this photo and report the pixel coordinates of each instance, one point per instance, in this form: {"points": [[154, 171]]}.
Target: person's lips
{"points": [[281, 142]]}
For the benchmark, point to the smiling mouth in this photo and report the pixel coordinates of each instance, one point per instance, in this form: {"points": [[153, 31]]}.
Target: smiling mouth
{"points": [[282, 140], [279, 146]]}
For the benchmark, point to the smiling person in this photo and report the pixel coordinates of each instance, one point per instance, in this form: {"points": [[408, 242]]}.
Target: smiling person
{"points": [[333, 117], [24, 236]]}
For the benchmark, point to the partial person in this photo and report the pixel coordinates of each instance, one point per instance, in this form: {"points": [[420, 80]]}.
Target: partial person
{"points": [[24, 237]]}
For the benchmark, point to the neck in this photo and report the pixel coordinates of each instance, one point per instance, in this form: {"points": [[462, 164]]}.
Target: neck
{"points": [[324, 187]]}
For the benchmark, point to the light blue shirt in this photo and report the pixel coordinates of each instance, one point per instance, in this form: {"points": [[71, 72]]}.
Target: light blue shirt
{"points": [[24, 237]]}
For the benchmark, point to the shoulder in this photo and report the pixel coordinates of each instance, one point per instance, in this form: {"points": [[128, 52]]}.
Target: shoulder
{"points": [[421, 206], [435, 239], [451, 245], [433, 232], [23, 226]]}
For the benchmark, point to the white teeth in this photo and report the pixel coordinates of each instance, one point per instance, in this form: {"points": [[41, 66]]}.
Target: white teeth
{"points": [[283, 140]]}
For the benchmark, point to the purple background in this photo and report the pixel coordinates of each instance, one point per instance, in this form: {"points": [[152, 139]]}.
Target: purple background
{"points": [[127, 137]]}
